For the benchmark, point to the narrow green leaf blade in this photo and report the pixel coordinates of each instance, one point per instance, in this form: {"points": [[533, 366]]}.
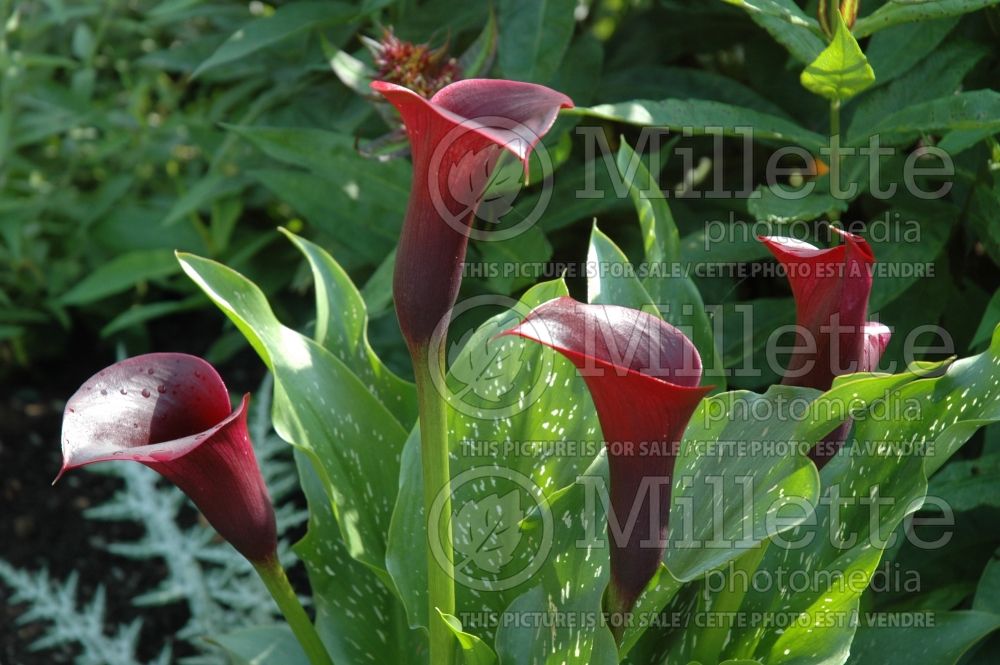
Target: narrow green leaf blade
{"points": [[342, 328], [660, 237], [895, 12], [788, 24], [975, 110], [286, 22], [121, 274], [321, 407], [944, 642], [703, 116]]}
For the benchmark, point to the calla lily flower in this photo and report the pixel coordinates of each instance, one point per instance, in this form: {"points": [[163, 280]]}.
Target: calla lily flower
{"points": [[456, 138], [643, 377], [831, 289], [171, 412]]}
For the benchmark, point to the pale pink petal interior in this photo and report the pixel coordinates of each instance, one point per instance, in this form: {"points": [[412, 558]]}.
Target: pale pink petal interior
{"points": [[149, 406]]}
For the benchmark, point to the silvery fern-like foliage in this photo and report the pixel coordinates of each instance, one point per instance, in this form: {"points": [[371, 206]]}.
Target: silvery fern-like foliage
{"points": [[55, 603], [219, 586]]}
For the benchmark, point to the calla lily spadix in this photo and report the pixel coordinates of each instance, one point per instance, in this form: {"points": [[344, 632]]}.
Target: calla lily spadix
{"points": [[831, 289], [456, 138], [643, 377], [171, 412]]}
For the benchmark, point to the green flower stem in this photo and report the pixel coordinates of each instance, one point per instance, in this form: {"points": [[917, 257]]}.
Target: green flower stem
{"points": [[437, 480], [835, 140], [277, 584]]}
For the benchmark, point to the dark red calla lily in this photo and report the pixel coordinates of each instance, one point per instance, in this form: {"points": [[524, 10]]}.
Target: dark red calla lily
{"points": [[831, 289], [456, 138], [171, 412], [643, 377]]}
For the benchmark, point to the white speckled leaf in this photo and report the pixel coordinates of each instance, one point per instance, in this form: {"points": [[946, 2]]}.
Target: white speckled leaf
{"points": [[885, 463], [531, 419], [734, 476], [342, 329], [322, 408], [358, 617]]}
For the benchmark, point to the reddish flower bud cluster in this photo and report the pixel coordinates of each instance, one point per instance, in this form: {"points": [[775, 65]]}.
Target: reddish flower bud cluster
{"points": [[415, 66]]}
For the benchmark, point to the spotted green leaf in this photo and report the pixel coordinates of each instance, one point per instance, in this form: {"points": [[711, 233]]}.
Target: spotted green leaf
{"points": [[486, 531], [531, 428], [322, 408], [358, 617], [674, 293]]}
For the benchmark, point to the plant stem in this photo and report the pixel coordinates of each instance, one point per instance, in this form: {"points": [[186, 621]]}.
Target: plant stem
{"points": [[277, 584], [835, 172], [437, 480]]}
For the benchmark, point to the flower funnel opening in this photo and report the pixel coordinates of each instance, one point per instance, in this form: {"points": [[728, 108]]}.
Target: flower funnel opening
{"points": [[171, 412], [831, 288], [643, 376], [456, 139]]}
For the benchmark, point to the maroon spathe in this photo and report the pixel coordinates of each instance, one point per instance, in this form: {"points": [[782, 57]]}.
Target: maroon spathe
{"points": [[834, 337], [171, 412], [831, 289], [456, 138], [643, 377]]}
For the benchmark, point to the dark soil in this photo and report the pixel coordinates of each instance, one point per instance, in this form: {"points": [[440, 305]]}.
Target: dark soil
{"points": [[42, 526]]}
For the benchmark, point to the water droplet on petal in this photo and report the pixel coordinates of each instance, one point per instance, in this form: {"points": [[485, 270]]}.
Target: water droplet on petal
{"points": [[145, 392], [161, 389], [149, 371], [123, 391], [104, 392]]}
